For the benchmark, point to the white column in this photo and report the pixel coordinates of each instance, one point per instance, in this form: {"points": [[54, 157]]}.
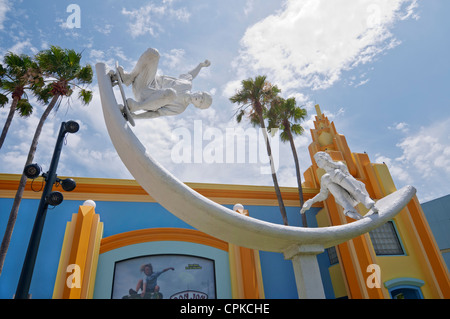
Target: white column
{"points": [[306, 270]]}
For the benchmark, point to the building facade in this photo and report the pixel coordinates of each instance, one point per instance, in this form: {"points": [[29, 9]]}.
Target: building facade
{"points": [[103, 250]]}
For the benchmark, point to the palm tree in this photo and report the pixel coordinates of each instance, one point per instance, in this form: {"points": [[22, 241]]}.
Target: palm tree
{"points": [[62, 71], [20, 73], [286, 115], [254, 96]]}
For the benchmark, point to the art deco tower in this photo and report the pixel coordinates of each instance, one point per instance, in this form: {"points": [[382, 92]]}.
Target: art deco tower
{"points": [[399, 259]]}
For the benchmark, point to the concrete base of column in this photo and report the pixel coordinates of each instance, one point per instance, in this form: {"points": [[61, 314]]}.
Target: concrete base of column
{"points": [[306, 270]]}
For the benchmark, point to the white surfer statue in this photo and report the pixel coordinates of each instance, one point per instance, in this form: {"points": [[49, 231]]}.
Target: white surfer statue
{"points": [[347, 191], [161, 95]]}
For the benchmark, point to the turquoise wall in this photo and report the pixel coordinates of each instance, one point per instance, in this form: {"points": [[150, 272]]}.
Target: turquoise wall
{"points": [[437, 213]]}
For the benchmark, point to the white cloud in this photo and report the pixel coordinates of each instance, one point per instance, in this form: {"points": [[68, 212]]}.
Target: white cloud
{"points": [[310, 43], [428, 151], [231, 87], [174, 58], [104, 28], [4, 8], [396, 168], [109, 57], [402, 127], [424, 161], [20, 134], [97, 54], [144, 20], [19, 47], [248, 7]]}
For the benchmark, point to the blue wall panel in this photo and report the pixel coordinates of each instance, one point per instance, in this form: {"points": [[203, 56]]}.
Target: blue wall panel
{"points": [[118, 217]]}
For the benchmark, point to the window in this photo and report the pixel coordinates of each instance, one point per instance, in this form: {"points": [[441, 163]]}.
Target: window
{"points": [[385, 240], [332, 255]]}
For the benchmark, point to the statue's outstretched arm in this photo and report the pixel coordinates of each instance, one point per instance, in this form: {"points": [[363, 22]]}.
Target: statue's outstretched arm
{"points": [[194, 72], [321, 196]]}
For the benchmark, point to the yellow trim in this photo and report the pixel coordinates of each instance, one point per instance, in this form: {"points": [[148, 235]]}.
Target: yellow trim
{"points": [[259, 277], [237, 286], [61, 275], [245, 271], [160, 234], [91, 257], [337, 281], [385, 178], [99, 189], [80, 247]]}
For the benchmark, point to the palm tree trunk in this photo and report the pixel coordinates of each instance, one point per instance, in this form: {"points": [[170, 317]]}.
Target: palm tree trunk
{"points": [[297, 170], [272, 167], [23, 180], [9, 119]]}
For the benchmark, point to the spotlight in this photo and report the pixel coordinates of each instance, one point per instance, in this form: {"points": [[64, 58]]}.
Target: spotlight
{"points": [[32, 171], [71, 126], [238, 208], [68, 184], [55, 198]]}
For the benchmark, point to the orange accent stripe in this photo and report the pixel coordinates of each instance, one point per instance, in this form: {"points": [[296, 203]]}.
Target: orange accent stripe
{"points": [[160, 234], [95, 187], [350, 272], [249, 273], [80, 247], [365, 259]]}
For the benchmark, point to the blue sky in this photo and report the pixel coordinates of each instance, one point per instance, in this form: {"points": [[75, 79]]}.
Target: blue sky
{"points": [[378, 68]]}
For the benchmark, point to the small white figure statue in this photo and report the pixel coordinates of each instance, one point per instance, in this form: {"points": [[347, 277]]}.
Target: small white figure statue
{"points": [[160, 95], [347, 191]]}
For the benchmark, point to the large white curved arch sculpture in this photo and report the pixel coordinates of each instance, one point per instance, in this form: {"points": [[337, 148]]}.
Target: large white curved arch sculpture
{"points": [[221, 222]]}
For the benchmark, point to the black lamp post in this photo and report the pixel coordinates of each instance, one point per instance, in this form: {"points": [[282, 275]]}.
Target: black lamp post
{"points": [[48, 198]]}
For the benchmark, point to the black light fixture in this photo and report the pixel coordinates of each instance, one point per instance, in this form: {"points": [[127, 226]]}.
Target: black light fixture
{"points": [[48, 197], [71, 127], [68, 184], [55, 198], [32, 171]]}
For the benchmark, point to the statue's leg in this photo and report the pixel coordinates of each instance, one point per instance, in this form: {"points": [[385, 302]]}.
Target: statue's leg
{"points": [[358, 191], [342, 197], [144, 71], [152, 100]]}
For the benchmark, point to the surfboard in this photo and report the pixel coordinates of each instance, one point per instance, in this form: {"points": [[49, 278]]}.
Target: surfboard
{"points": [[126, 110]]}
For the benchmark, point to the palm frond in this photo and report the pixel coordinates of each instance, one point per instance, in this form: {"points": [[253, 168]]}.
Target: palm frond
{"points": [[2, 71], [62, 67], [297, 129], [3, 100], [85, 75], [43, 93], [24, 108], [85, 96], [240, 115], [284, 136]]}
